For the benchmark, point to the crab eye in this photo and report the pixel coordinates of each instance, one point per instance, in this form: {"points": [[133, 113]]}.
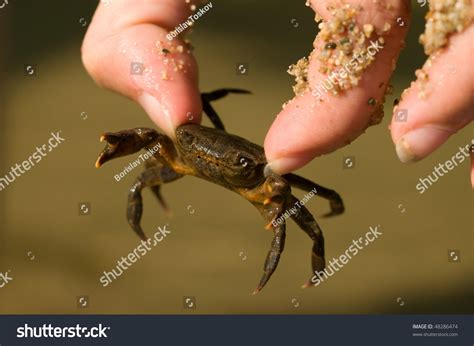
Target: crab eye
{"points": [[239, 161], [240, 169], [244, 163], [185, 139]]}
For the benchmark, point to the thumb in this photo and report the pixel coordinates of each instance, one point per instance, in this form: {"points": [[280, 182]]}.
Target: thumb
{"points": [[126, 49]]}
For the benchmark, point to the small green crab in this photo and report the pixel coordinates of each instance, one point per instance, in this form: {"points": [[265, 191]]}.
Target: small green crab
{"points": [[225, 159]]}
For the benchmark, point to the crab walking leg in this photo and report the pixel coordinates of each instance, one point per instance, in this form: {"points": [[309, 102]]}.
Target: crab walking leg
{"points": [[165, 171], [271, 201], [335, 201], [273, 256], [167, 175], [206, 99], [153, 178], [308, 224], [156, 189]]}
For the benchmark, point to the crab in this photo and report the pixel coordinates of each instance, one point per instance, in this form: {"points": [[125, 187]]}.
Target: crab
{"points": [[227, 160]]}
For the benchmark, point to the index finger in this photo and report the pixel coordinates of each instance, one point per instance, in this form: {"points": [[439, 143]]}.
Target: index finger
{"points": [[128, 49], [340, 89]]}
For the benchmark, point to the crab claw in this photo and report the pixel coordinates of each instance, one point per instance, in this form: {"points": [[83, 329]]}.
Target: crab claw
{"points": [[124, 143]]}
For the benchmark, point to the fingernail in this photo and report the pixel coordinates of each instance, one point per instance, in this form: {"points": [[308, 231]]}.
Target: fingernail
{"points": [[283, 165], [158, 113], [419, 143], [267, 171]]}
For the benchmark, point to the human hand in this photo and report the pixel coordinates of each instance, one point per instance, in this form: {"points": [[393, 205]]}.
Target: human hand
{"points": [[307, 128], [126, 50]]}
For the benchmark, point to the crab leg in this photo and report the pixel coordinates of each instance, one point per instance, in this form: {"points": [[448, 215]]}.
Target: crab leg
{"points": [[271, 202], [206, 99], [152, 177], [335, 201], [273, 256], [308, 224]]}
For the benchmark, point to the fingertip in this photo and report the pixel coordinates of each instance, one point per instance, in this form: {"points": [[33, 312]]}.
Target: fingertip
{"points": [[167, 88], [307, 128], [285, 165], [438, 104], [288, 147], [169, 114], [127, 50], [339, 98], [157, 113]]}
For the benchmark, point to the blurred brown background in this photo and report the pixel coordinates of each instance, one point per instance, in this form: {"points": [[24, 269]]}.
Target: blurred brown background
{"points": [[203, 256]]}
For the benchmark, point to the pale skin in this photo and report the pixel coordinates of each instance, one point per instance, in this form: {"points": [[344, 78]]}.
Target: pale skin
{"points": [[126, 31]]}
